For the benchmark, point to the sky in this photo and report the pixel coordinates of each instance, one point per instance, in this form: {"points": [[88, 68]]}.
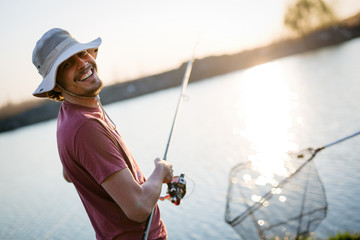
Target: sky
{"points": [[140, 37]]}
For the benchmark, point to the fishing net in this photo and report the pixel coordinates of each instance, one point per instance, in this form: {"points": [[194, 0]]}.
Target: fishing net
{"points": [[289, 203]]}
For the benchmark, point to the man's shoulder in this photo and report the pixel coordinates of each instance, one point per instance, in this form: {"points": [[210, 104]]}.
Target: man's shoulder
{"points": [[70, 122], [70, 114]]}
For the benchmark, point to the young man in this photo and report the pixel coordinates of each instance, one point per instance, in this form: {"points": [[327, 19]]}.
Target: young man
{"points": [[114, 192]]}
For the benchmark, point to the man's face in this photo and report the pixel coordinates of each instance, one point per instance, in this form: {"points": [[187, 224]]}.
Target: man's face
{"points": [[78, 75]]}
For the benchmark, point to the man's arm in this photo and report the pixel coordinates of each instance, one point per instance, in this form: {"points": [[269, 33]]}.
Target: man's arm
{"points": [[137, 201]]}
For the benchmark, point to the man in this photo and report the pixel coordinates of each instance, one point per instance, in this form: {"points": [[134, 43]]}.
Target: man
{"points": [[114, 192]]}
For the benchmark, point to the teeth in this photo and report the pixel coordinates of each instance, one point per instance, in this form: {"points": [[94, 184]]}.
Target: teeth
{"points": [[87, 75]]}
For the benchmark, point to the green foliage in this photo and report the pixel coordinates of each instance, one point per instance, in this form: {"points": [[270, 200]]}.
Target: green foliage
{"points": [[346, 236], [304, 16], [339, 236]]}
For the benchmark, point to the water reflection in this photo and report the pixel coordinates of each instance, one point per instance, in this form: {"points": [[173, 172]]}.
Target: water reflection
{"points": [[265, 198], [268, 105]]}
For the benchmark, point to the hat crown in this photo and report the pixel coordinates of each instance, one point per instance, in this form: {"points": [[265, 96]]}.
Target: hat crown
{"points": [[47, 44]]}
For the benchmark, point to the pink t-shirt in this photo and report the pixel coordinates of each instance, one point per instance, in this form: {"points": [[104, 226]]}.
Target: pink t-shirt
{"points": [[90, 150]]}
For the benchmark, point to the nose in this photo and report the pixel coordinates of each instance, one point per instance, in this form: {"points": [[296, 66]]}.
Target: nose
{"points": [[81, 62]]}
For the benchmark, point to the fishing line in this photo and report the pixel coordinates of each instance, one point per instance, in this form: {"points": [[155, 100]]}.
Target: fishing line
{"points": [[171, 188], [188, 194]]}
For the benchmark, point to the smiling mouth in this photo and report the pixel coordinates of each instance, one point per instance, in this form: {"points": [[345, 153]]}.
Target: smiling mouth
{"points": [[86, 75]]}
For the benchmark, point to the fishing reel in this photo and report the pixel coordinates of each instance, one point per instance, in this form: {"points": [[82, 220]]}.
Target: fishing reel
{"points": [[176, 190]]}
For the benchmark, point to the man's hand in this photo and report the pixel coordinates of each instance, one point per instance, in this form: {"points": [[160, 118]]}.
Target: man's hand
{"points": [[166, 169]]}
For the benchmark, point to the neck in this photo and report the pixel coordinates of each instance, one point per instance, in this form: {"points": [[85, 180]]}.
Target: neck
{"points": [[86, 101]]}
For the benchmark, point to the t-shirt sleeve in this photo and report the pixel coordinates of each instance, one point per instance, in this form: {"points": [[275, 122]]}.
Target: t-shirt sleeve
{"points": [[97, 152]]}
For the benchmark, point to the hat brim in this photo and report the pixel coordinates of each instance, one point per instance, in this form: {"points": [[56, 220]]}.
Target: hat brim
{"points": [[48, 82]]}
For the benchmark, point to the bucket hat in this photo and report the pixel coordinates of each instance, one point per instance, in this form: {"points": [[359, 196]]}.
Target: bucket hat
{"points": [[53, 48]]}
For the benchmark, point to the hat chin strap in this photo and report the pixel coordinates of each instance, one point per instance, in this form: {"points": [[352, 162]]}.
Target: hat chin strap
{"points": [[76, 95]]}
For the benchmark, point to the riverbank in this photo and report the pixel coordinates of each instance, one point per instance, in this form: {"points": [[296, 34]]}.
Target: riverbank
{"points": [[15, 116]]}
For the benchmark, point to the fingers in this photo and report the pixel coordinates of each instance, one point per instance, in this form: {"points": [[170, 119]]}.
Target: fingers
{"points": [[167, 169], [169, 177], [157, 160], [169, 172]]}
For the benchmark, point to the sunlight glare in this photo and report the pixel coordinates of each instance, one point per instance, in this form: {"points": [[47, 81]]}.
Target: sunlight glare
{"points": [[268, 103], [261, 222]]}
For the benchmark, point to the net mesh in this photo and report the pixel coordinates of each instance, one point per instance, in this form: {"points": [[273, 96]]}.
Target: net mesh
{"points": [[290, 204]]}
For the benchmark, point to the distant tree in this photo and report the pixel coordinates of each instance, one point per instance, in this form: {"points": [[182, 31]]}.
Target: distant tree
{"points": [[304, 16]]}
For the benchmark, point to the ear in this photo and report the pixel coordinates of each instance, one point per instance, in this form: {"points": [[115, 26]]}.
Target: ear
{"points": [[93, 52]]}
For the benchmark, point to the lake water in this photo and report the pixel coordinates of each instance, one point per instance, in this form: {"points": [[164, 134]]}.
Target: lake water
{"points": [[301, 101]]}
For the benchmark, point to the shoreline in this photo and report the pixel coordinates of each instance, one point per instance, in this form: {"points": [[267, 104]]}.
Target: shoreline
{"points": [[32, 112]]}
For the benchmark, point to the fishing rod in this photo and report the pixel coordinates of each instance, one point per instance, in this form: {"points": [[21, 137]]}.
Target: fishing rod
{"points": [[177, 187]]}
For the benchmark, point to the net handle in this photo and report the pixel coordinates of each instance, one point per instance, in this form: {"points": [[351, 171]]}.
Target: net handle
{"points": [[340, 140]]}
